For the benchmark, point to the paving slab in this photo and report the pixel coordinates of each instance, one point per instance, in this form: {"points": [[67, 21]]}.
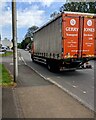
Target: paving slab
{"points": [[8, 104], [50, 102]]}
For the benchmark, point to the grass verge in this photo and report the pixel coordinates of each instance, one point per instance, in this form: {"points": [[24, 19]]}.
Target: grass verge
{"points": [[7, 53], [5, 77]]}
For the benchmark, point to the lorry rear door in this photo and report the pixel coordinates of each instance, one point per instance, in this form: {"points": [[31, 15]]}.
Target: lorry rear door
{"points": [[70, 32], [88, 37], [95, 38]]}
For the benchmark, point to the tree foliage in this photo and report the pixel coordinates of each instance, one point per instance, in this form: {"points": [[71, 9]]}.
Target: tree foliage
{"points": [[87, 7], [27, 39], [54, 14], [25, 42], [30, 31]]}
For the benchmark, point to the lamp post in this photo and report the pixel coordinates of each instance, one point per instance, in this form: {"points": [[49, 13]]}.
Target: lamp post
{"points": [[14, 38]]}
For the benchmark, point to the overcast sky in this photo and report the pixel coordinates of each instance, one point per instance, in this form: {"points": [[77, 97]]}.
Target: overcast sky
{"points": [[28, 14]]}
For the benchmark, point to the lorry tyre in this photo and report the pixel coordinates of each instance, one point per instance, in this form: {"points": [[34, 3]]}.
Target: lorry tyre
{"points": [[32, 58], [53, 67], [56, 68], [50, 68]]}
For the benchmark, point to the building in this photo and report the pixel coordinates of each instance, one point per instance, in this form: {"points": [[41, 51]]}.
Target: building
{"points": [[0, 42], [7, 43]]}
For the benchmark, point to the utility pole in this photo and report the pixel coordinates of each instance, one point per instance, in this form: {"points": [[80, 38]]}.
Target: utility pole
{"points": [[14, 38]]}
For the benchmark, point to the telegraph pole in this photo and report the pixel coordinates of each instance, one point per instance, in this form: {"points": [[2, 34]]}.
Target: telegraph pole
{"points": [[14, 39]]}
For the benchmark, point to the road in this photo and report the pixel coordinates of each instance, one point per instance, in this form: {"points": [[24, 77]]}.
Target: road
{"points": [[79, 84]]}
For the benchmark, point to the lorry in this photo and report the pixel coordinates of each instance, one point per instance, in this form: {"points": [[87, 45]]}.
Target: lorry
{"points": [[67, 42]]}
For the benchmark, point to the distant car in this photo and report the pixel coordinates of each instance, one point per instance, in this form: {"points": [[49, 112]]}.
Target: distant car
{"points": [[26, 49], [3, 49]]}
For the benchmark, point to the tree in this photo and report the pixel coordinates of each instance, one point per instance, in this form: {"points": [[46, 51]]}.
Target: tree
{"points": [[30, 31], [25, 42], [19, 45], [89, 7], [54, 14], [27, 39]]}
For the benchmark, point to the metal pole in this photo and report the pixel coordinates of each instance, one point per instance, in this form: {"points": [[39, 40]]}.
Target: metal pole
{"points": [[14, 38]]}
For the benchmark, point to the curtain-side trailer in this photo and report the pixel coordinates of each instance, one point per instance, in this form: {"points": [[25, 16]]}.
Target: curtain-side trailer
{"points": [[66, 42]]}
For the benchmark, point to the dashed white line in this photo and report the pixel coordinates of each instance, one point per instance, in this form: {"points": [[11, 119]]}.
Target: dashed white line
{"points": [[23, 60], [19, 58], [84, 92], [74, 86]]}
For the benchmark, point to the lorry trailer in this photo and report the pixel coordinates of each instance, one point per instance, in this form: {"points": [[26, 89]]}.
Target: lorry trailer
{"points": [[66, 42]]}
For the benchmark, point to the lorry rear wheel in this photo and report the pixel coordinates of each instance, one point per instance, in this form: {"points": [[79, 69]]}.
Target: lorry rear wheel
{"points": [[49, 66], [32, 59], [53, 67]]}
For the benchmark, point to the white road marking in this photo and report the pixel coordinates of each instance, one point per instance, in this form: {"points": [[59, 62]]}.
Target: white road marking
{"points": [[19, 58], [84, 92], [74, 86], [23, 60]]}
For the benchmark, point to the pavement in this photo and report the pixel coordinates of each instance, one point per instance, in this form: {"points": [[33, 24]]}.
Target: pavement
{"points": [[34, 97]]}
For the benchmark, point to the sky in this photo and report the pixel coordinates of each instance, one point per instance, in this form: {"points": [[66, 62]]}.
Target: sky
{"points": [[29, 13]]}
